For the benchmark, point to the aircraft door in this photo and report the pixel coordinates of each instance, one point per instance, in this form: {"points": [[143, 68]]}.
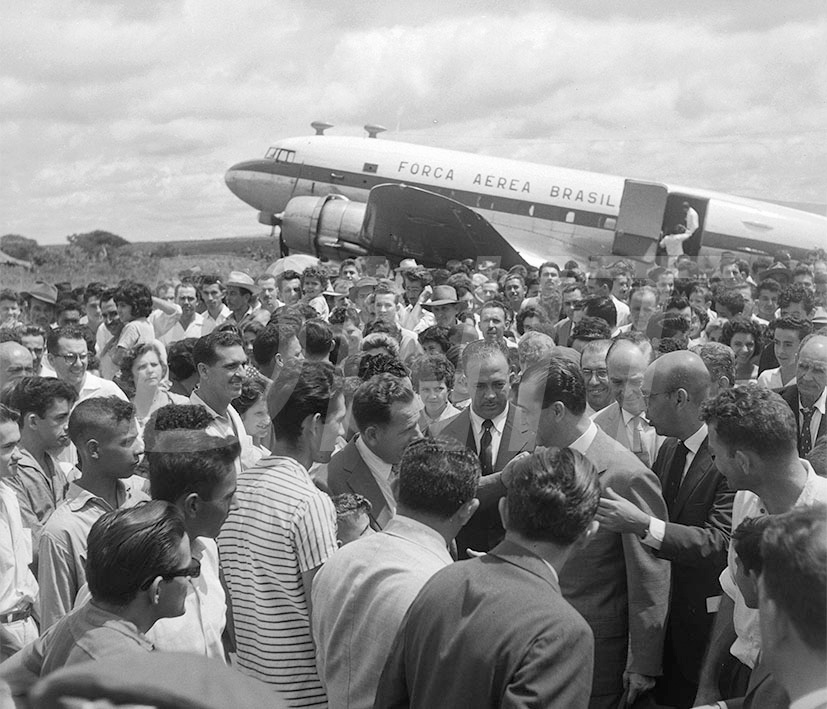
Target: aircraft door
{"points": [[639, 220]]}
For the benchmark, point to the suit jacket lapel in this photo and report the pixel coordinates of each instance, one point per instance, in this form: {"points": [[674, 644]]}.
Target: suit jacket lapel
{"points": [[516, 437], [701, 464], [360, 480]]}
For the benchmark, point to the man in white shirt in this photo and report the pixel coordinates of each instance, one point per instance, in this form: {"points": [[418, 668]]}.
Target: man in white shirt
{"points": [[18, 587], [183, 322], [361, 594], [752, 435], [212, 293], [386, 413], [196, 472], [791, 592]]}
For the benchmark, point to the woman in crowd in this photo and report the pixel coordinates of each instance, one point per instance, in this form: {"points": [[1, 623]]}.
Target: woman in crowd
{"points": [[251, 405], [143, 378], [744, 337], [134, 303]]}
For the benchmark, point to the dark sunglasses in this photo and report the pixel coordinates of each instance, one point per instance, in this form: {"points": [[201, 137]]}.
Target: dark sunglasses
{"points": [[193, 571]]}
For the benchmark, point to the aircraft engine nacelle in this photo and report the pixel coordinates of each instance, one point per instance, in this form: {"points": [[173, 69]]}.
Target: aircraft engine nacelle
{"points": [[324, 226]]}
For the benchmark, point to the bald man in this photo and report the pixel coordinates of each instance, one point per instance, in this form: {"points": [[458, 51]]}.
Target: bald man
{"points": [[699, 501], [625, 419], [15, 362], [808, 396]]}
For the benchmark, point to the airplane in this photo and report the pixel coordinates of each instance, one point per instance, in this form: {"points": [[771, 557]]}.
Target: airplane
{"points": [[341, 197]]}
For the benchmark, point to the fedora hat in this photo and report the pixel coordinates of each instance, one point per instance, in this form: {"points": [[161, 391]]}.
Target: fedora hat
{"points": [[43, 291], [239, 279], [442, 295], [367, 282]]}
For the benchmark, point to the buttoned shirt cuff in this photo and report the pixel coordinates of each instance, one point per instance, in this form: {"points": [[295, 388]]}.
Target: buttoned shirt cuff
{"points": [[655, 533]]}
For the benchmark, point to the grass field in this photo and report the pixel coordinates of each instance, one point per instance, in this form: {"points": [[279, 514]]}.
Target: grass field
{"points": [[147, 262]]}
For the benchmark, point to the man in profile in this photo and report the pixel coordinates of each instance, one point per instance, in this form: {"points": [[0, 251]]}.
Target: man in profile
{"points": [[361, 594], [495, 630]]}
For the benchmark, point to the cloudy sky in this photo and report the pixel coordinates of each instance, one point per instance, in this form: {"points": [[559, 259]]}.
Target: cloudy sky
{"points": [[124, 114]]}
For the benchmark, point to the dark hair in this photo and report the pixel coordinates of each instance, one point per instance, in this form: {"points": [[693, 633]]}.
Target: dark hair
{"points": [[746, 541], [130, 546], [349, 503], [437, 476], [792, 322], [380, 363], [796, 293], [303, 388], [66, 305], [316, 336], [373, 400], [564, 383], [434, 368], [315, 273], [65, 332], [344, 312], [98, 416], [530, 311], [137, 296], [349, 262], [183, 461], [598, 306], [288, 275], [127, 379], [769, 284], [9, 294], [36, 395], [732, 299], [752, 418], [436, 334], [794, 575], [746, 326], [663, 325], [590, 328], [480, 350], [719, 360], [179, 359], [209, 279], [206, 348], [552, 496], [7, 414], [191, 417], [252, 389]]}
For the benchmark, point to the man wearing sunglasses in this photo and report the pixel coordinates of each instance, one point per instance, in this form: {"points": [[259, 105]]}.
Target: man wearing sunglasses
{"points": [[138, 566]]}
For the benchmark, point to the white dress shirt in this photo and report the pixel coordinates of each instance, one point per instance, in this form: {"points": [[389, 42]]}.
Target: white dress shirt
{"points": [[380, 470], [815, 422], [496, 431]]}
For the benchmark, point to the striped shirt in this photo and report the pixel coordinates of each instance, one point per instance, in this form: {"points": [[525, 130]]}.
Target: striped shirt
{"points": [[283, 526]]}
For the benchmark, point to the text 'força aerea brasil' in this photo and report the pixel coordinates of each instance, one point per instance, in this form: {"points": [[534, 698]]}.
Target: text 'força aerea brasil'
{"points": [[513, 184]]}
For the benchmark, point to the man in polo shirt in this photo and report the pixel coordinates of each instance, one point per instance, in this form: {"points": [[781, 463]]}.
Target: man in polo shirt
{"points": [[212, 293], [69, 356], [105, 434], [40, 479], [41, 301], [283, 530], [220, 360], [19, 588]]}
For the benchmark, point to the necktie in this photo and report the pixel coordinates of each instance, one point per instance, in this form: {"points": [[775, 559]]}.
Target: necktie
{"points": [[637, 441], [485, 448], [673, 481], [805, 439]]}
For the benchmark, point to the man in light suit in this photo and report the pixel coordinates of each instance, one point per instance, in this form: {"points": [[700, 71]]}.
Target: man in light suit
{"points": [[808, 396], [624, 419], [496, 631], [496, 430], [386, 414], [619, 587], [696, 536]]}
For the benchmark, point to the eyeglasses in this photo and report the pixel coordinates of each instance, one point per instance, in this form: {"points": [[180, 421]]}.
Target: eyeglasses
{"points": [[73, 357], [599, 373], [193, 571], [653, 394]]}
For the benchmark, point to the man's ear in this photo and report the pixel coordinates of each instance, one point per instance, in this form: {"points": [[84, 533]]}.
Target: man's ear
{"points": [[153, 593], [189, 504], [92, 447], [466, 511], [369, 435], [202, 369], [584, 537], [502, 506]]}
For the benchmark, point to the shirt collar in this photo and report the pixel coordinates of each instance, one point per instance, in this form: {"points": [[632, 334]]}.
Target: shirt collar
{"points": [[373, 461], [498, 421], [409, 528], [693, 443], [582, 444], [77, 497], [627, 417], [819, 404], [195, 399]]}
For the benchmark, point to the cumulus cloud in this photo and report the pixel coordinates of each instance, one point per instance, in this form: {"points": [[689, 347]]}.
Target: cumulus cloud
{"points": [[125, 116]]}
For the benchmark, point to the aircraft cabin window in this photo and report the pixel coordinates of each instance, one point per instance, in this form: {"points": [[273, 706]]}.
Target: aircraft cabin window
{"points": [[285, 155], [531, 211], [570, 217], [610, 223]]}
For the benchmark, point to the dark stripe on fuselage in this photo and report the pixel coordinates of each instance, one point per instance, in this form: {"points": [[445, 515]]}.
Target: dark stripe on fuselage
{"points": [[475, 200]]}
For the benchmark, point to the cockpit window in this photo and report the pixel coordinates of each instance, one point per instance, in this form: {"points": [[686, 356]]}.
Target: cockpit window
{"points": [[280, 154], [271, 153]]}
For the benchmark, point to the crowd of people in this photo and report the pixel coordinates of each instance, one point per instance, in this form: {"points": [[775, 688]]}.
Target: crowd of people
{"points": [[464, 486]]}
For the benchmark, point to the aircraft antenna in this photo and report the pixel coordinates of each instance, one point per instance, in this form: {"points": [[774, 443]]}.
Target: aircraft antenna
{"points": [[374, 130], [320, 126]]}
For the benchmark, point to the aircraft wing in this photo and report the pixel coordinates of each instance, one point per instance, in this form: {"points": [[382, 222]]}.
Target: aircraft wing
{"points": [[416, 223]]}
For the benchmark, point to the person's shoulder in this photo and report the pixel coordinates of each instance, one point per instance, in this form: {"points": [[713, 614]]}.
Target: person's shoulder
{"points": [[607, 414]]}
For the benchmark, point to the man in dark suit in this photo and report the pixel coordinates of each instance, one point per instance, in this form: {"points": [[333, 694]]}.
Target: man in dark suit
{"points": [[496, 631], [386, 414], [495, 430], [808, 395], [619, 587], [696, 536]]}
